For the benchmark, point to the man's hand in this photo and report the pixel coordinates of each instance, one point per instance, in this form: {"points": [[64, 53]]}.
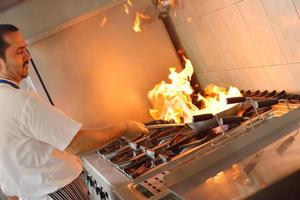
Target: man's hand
{"points": [[132, 130], [90, 140]]}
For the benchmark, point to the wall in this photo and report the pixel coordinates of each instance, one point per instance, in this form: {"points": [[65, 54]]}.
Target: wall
{"points": [[100, 75], [251, 44], [39, 17]]}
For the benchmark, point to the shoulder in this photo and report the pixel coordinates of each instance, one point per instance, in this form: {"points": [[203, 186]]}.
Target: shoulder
{"points": [[11, 96], [23, 99], [28, 95]]}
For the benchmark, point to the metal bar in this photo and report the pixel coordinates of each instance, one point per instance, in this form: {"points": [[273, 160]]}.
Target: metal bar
{"points": [[40, 79], [156, 126]]}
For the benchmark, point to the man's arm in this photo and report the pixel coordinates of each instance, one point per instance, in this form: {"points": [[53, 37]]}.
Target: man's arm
{"points": [[90, 140]]}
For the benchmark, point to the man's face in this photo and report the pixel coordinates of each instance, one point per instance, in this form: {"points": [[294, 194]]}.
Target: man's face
{"points": [[15, 64]]}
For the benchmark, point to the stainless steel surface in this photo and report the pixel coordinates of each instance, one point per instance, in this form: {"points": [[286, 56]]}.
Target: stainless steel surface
{"points": [[101, 75], [201, 161], [201, 125], [234, 141], [5, 4], [105, 175], [156, 126], [243, 178]]}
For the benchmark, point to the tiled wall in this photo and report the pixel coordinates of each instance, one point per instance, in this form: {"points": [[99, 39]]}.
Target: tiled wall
{"points": [[251, 44]]}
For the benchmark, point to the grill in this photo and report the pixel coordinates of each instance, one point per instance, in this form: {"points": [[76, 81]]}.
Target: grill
{"points": [[165, 144], [143, 164]]}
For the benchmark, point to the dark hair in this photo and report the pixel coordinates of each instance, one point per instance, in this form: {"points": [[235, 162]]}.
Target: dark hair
{"points": [[5, 29]]}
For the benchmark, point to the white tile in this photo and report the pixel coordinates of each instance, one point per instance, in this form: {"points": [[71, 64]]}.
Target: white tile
{"points": [[286, 23], [204, 46], [188, 9], [195, 8], [295, 71], [297, 4], [269, 78], [217, 78], [258, 79], [281, 78], [191, 48], [204, 79], [223, 79], [239, 79], [212, 5], [261, 32], [228, 30]]}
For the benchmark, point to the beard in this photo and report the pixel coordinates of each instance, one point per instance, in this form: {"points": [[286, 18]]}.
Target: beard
{"points": [[24, 75], [25, 69], [26, 63]]}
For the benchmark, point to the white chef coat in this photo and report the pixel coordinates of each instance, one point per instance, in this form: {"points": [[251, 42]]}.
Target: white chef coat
{"points": [[33, 136]]}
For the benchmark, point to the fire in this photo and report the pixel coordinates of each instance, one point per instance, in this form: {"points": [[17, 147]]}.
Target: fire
{"points": [[137, 22], [126, 9], [189, 19], [129, 3], [173, 102], [104, 20], [215, 99]]}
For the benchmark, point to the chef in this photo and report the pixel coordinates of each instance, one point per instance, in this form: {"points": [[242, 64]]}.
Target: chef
{"points": [[39, 144]]}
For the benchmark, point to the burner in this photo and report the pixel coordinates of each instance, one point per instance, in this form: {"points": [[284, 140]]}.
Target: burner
{"points": [[167, 142]]}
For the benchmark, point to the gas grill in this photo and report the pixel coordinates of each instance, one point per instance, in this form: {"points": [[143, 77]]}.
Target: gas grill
{"points": [[147, 167]]}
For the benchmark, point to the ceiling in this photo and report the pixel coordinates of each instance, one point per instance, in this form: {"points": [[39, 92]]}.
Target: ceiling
{"points": [[4, 4]]}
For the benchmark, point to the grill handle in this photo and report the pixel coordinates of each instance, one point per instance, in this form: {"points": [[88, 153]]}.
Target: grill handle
{"points": [[203, 117], [233, 100], [231, 120], [265, 103], [157, 126]]}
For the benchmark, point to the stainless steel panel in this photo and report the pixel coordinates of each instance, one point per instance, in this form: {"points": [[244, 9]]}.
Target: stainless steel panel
{"points": [[101, 75], [239, 176], [5, 4]]}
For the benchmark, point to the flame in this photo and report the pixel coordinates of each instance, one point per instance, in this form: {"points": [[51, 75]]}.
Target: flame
{"points": [[129, 3], [104, 20], [219, 178], [189, 19], [173, 102], [126, 9], [215, 99], [137, 22]]}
